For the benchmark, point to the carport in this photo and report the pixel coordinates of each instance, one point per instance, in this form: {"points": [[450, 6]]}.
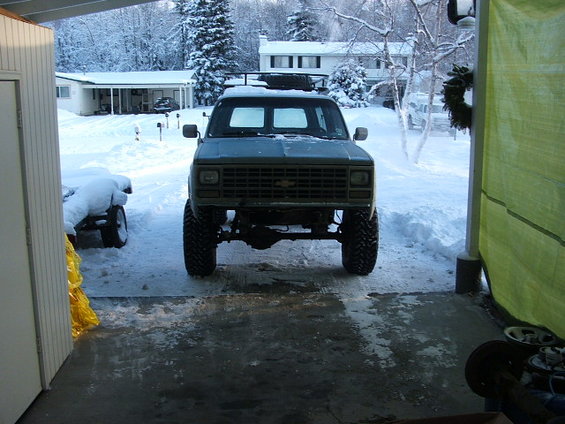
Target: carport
{"points": [[517, 233], [122, 92]]}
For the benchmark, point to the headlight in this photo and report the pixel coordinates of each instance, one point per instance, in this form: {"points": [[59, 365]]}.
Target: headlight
{"points": [[359, 178], [209, 177]]}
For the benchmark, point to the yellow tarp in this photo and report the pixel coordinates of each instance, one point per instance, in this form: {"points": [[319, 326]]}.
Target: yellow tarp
{"points": [[82, 315], [523, 203]]}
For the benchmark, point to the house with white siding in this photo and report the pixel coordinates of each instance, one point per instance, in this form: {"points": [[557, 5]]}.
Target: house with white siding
{"points": [[122, 92], [321, 57]]}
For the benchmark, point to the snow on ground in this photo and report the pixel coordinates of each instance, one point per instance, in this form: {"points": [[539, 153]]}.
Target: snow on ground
{"points": [[422, 212]]}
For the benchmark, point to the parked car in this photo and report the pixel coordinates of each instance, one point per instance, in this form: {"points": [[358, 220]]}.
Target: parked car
{"points": [[165, 104], [418, 114], [285, 164]]}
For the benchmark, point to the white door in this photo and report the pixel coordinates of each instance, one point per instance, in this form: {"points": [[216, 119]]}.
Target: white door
{"points": [[19, 362]]}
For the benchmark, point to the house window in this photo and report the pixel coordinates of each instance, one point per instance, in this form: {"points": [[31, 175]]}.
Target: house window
{"points": [[400, 61], [369, 62], [281, 62], [63, 92], [309, 61]]}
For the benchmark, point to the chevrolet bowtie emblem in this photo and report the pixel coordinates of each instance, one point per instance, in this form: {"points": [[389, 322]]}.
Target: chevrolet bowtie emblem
{"points": [[285, 183]]}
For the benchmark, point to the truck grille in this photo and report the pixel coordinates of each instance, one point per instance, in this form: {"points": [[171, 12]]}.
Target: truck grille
{"points": [[285, 183]]}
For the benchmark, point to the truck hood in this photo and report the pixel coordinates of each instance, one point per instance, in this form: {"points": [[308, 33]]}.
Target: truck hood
{"points": [[281, 150]]}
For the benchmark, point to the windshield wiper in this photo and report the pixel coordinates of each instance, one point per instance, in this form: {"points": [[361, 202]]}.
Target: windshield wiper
{"points": [[294, 134], [324, 137], [240, 134], [245, 134]]}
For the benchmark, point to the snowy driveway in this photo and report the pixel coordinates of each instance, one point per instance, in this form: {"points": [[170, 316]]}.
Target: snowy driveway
{"points": [[421, 209], [286, 326]]}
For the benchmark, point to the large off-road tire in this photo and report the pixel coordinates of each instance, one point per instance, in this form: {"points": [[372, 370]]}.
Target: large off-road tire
{"points": [[360, 242], [115, 233], [200, 241]]}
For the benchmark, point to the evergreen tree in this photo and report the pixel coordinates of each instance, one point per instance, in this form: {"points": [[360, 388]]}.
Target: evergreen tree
{"points": [[347, 84], [212, 47], [66, 46], [180, 34], [302, 24]]}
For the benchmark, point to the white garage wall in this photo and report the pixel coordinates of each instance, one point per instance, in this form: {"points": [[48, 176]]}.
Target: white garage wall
{"points": [[27, 49]]}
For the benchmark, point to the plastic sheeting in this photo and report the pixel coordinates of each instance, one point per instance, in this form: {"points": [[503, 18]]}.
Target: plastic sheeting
{"points": [[523, 195], [82, 315]]}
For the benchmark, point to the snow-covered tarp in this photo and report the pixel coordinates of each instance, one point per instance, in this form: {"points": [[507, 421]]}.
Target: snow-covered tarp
{"points": [[91, 192]]}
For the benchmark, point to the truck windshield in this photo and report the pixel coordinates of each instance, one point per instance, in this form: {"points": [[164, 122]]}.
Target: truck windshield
{"points": [[239, 117]]}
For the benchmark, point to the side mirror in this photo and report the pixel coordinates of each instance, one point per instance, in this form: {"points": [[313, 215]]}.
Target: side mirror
{"points": [[460, 9], [361, 133], [190, 131]]}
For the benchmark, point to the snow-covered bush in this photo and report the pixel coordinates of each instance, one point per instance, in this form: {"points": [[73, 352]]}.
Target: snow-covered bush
{"points": [[347, 84]]}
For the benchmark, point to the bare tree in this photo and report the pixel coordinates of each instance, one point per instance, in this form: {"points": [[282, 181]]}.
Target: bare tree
{"points": [[386, 16], [430, 46], [435, 46]]}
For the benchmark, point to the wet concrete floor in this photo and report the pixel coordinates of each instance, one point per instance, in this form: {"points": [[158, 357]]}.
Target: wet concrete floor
{"points": [[272, 356]]}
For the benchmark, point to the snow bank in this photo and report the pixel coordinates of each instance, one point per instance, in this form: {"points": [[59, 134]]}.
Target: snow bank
{"points": [[425, 202], [439, 231]]}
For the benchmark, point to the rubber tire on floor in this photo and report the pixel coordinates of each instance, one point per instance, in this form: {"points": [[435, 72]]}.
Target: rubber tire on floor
{"points": [[360, 242], [115, 234], [490, 358], [199, 241]]}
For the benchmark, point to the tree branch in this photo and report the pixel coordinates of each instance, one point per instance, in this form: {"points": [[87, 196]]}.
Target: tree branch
{"points": [[384, 32]]}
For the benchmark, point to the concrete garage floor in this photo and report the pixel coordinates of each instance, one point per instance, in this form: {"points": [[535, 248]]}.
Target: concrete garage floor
{"points": [[278, 355]]}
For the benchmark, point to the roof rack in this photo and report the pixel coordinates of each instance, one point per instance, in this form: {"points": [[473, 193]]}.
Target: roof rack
{"points": [[279, 80]]}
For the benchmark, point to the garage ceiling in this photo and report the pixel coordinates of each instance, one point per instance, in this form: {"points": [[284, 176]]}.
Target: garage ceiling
{"points": [[50, 10]]}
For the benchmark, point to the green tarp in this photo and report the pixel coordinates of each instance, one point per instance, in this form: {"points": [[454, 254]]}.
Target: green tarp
{"points": [[522, 218]]}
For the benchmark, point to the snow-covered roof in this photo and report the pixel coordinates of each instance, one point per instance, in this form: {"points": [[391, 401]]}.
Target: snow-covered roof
{"points": [[330, 48], [158, 78]]}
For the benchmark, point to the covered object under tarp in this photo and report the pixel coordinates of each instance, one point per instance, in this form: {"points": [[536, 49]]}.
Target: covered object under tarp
{"points": [[522, 199]]}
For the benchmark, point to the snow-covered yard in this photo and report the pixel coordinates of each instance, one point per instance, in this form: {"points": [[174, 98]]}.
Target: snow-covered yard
{"points": [[422, 212]]}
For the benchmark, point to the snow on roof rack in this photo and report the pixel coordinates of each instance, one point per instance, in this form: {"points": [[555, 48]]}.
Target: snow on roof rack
{"points": [[279, 80]]}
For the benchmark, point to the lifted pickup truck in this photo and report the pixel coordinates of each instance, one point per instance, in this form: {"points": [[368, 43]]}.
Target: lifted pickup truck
{"points": [[285, 163]]}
